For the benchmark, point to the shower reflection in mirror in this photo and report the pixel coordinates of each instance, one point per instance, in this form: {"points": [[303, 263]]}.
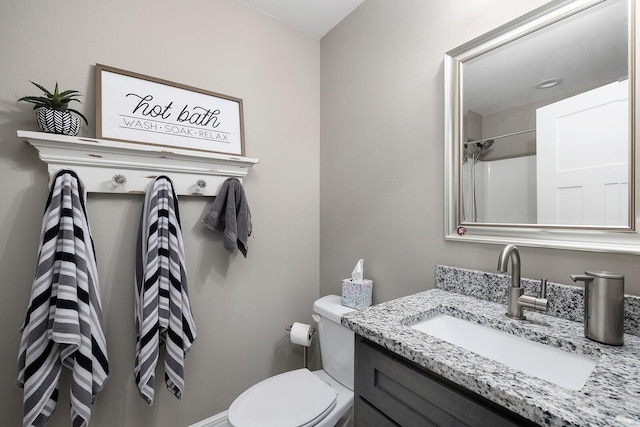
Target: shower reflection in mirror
{"points": [[472, 152], [498, 179]]}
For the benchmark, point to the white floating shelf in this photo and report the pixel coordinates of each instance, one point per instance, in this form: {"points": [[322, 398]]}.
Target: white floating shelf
{"points": [[98, 161]]}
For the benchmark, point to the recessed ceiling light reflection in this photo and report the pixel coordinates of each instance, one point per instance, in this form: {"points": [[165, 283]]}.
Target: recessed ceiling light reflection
{"points": [[548, 83]]}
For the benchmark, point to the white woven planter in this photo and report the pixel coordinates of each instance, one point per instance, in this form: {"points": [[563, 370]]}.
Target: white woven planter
{"points": [[60, 122]]}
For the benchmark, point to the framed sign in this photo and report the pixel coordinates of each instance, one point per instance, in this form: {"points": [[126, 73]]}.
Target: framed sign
{"points": [[137, 108]]}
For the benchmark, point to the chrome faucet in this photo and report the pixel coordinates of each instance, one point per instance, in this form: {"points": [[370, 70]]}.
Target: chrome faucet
{"points": [[517, 301]]}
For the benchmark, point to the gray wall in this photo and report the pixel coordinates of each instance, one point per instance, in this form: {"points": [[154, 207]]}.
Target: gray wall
{"points": [[351, 151], [381, 151], [241, 306]]}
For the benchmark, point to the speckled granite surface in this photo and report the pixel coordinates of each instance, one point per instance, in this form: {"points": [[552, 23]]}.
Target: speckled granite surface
{"points": [[565, 301], [611, 396]]}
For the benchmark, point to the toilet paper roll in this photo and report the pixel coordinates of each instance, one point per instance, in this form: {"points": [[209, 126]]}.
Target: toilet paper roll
{"points": [[300, 334]]}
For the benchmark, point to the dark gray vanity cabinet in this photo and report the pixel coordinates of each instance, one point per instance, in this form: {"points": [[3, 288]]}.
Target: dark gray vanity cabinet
{"points": [[392, 391]]}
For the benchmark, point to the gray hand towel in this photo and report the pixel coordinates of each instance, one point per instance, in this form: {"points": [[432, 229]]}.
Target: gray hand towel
{"points": [[229, 214]]}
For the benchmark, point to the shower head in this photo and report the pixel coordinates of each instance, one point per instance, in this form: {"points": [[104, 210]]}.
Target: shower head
{"points": [[484, 146], [481, 147]]}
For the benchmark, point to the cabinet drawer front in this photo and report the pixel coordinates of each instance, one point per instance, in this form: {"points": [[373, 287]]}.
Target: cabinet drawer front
{"points": [[411, 397], [367, 415]]}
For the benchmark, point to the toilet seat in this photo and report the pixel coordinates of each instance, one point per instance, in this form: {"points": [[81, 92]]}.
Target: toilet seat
{"points": [[293, 399]]}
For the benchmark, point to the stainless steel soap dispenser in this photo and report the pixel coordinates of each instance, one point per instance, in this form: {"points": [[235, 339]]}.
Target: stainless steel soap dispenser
{"points": [[603, 306]]}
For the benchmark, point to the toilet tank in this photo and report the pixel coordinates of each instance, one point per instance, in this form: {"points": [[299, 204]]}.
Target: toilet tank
{"points": [[336, 341]]}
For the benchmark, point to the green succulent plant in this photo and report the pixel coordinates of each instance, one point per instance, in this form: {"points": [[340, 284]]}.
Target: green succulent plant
{"points": [[55, 101]]}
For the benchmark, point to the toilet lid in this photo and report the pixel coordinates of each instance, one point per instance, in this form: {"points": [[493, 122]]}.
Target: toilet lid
{"points": [[293, 399]]}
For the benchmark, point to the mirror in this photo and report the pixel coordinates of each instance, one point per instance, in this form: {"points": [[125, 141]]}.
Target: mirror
{"points": [[540, 140]]}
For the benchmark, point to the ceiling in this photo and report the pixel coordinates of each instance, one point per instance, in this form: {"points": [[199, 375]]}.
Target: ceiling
{"points": [[314, 17]]}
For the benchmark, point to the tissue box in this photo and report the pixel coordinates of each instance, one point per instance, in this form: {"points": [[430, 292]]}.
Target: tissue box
{"points": [[357, 293]]}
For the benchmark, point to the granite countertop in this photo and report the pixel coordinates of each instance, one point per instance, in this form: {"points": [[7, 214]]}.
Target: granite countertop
{"points": [[610, 397]]}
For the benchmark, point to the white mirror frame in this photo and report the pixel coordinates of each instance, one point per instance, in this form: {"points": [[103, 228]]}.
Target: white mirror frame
{"points": [[620, 240]]}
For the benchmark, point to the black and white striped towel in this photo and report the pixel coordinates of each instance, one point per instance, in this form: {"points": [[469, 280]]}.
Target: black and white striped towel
{"points": [[162, 308], [63, 326]]}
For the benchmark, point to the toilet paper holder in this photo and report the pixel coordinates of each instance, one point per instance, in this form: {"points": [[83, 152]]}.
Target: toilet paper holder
{"points": [[312, 332]]}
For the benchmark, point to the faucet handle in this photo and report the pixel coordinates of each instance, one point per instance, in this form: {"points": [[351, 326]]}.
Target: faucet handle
{"points": [[543, 288], [537, 303]]}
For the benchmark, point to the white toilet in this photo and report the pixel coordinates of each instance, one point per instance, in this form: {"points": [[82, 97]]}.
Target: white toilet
{"points": [[301, 397]]}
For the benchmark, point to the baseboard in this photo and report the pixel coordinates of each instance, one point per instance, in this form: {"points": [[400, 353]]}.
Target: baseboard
{"points": [[218, 420]]}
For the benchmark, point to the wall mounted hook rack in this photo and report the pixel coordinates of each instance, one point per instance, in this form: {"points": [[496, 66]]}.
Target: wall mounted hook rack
{"points": [[118, 167]]}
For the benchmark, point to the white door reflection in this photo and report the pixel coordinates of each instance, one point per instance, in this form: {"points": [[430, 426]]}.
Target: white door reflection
{"points": [[583, 151]]}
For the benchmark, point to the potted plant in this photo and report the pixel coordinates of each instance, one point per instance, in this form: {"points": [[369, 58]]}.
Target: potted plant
{"points": [[53, 114]]}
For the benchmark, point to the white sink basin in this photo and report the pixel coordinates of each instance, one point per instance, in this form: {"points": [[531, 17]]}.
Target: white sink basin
{"points": [[565, 369]]}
